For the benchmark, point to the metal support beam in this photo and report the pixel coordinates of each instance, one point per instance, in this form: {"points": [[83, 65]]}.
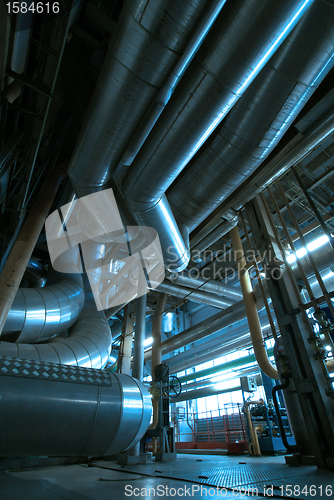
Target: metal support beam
{"points": [[300, 356]]}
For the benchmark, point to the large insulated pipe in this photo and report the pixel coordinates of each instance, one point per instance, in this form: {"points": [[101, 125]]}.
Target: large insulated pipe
{"points": [[40, 313], [34, 275], [88, 343], [237, 47], [260, 119], [250, 306], [150, 38], [53, 410], [182, 292], [20, 254], [168, 88]]}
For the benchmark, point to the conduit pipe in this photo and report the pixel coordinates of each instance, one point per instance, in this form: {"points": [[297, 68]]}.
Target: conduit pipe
{"points": [[215, 370], [260, 119], [40, 313], [250, 307], [215, 235], [205, 285], [138, 347], [88, 344], [203, 329], [183, 292], [237, 47], [42, 407], [20, 254], [150, 37], [236, 338]]}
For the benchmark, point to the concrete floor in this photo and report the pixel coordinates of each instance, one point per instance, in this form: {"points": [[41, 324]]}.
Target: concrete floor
{"points": [[104, 480]]}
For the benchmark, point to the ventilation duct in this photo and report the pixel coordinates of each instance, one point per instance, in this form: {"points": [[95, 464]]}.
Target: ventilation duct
{"points": [[34, 275], [237, 47], [48, 409], [40, 313], [150, 37], [259, 120], [88, 344]]}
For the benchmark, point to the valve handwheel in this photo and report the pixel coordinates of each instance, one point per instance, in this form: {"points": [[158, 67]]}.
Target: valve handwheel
{"points": [[175, 387]]}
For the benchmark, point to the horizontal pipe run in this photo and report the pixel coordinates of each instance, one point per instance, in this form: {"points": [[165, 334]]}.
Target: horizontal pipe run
{"points": [[199, 296], [259, 120], [229, 341], [203, 329], [215, 235], [205, 285], [297, 150], [231, 365], [53, 410]]}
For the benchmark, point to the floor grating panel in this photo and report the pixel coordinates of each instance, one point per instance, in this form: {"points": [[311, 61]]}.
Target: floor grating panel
{"points": [[251, 480]]}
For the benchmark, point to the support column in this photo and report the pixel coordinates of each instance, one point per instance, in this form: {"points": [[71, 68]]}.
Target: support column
{"points": [[20, 254]]}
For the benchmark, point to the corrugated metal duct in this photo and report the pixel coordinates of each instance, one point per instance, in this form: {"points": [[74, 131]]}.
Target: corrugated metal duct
{"points": [[88, 344], [261, 117], [150, 37], [40, 313], [242, 40]]}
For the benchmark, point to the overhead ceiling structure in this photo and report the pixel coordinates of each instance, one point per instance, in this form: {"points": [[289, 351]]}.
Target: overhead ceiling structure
{"points": [[201, 116]]}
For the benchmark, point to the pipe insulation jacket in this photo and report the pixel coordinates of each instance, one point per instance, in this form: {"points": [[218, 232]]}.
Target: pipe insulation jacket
{"points": [[40, 313], [150, 38], [259, 120], [88, 344], [52, 410], [243, 39]]}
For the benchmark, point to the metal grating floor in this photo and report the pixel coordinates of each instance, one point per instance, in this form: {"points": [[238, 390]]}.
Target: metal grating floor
{"points": [[250, 479]]}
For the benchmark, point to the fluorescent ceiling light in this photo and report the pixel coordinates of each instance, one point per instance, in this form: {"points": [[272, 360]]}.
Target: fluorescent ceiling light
{"points": [[310, 247]]}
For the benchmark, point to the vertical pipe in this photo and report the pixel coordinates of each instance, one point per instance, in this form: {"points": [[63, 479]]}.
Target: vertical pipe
{"points": [[138, 350], [156, 352], [125, 349], [18, 258], [250, 306], [156, 331], [138, 345]]}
